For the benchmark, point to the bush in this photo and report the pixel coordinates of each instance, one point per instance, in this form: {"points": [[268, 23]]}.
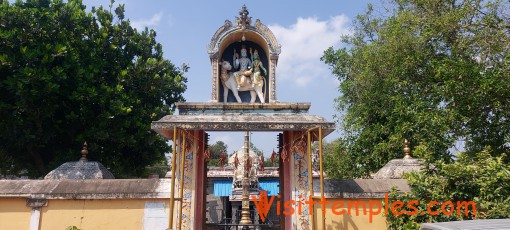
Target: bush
{"points": [[483, 179]]}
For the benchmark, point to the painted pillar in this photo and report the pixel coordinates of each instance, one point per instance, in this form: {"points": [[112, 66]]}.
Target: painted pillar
{"points": [[285, 179], [187, 176], [301, 220], [187, 145], [200, 181]]}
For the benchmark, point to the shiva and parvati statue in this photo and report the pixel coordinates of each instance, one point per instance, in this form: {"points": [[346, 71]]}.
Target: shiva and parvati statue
{"points": [[246, 56], [246, 75]]}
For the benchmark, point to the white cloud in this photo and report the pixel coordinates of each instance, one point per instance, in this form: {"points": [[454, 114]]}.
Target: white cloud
{"points": [[303, 44], [140, 24]]}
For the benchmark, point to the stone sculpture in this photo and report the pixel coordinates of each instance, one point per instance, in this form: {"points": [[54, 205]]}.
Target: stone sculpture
{"points": [[229, 82]]}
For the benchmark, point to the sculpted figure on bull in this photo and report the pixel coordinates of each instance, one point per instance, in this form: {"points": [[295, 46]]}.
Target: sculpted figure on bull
{"points": [[246, 75]]}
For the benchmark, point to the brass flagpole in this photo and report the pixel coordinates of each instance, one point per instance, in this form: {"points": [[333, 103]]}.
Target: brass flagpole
{"points": [[172, 188], [245, 211], [310, 173], [181, 186], [322, 177]]}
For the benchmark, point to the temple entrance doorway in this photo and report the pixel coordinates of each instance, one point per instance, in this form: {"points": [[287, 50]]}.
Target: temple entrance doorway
{"points": [[224, 172]]}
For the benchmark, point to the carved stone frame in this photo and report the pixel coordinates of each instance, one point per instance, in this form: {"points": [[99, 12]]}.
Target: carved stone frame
{"points": [[225, 36]]}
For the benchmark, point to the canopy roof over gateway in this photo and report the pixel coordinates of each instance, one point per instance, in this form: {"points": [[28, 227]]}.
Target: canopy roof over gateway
{"points": [[241, 117]]}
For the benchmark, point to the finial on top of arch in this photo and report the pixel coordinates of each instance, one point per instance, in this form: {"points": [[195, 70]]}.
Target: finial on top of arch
{"points": [[243, 20]]}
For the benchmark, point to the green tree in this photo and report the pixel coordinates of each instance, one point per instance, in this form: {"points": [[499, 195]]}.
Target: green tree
{"points": [[480, 178], [256, 150], [268, 163], [335, 160], [433, 72], [216, 150], [69, 75]]}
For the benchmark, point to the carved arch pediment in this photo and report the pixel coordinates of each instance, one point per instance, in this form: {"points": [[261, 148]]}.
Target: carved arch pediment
{"points": [[231, 35], [228, 32]]}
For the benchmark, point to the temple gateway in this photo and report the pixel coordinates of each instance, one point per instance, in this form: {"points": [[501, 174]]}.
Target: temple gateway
{"points": [[244, 57], [244, 54]]}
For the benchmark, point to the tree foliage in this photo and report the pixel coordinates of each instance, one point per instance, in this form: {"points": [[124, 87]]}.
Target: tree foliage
{"points": [[216, 150], [69, 75], [480, 178], [335, 160], [431, 71], [269, 163], [255, 149]]}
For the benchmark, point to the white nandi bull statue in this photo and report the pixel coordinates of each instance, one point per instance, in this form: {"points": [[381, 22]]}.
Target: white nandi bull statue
{"points": [[229, 83]]}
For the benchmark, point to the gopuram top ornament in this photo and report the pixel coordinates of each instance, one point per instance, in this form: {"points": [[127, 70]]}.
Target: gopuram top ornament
{"points": [[243, 61]]}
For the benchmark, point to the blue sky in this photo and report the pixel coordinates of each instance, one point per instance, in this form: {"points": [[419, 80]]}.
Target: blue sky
{"points": [[303, 28]]}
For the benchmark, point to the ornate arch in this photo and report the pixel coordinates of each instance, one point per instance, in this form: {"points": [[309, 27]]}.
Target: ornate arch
{"points": [[229, 33], [227, 30]]}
